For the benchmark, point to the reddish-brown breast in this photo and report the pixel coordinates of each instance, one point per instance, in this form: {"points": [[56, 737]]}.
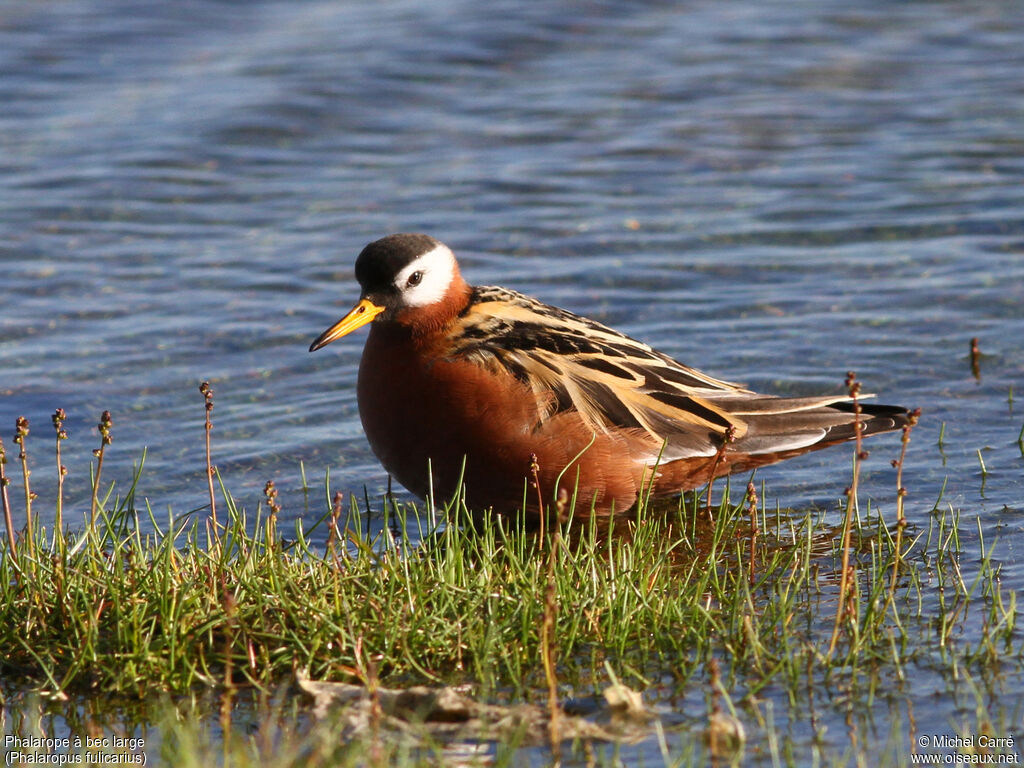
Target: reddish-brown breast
{"points": [[465, 421]]}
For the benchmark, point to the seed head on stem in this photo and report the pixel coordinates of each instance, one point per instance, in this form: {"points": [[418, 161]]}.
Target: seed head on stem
{"points": [[58, 427], [4, 482], [20, 433], [270, 493], [727, 439], [207, 392], [752, 501], [901, 493], [106, 438], [846, 573]]}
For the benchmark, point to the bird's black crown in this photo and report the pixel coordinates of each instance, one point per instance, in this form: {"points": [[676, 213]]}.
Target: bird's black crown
{"points": [[383, 259]]}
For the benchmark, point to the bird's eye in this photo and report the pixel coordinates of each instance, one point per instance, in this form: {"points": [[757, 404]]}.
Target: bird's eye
{"points": [[414, 279]]}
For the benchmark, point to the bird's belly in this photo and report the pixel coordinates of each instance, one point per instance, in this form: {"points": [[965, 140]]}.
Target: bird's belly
{"points": [[426, 422], [441, 426]]}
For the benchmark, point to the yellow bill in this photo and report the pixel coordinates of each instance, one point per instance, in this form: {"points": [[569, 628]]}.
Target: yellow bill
{"points": [[360, 315]]}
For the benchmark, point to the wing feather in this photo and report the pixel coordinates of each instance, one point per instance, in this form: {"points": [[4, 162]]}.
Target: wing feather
{"points": [[618, 383], [613, 381]]}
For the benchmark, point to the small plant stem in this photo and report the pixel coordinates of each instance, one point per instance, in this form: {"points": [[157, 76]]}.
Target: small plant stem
{"points": [[207, 392], [901, 492], [4, 482], [105, 439], [727, 439], [851, 505], [535, 482], [752, 510], [333, 532], [547, 647], [20, 433], [549, 622], [270, 493], [61, 434], [229, 606]]}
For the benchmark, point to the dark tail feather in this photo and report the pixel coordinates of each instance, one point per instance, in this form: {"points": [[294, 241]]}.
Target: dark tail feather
{"points": [[875, 418]]}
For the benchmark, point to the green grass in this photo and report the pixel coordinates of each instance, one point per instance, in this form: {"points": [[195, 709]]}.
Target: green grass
{"points": [[738, 609], [247, 604]]}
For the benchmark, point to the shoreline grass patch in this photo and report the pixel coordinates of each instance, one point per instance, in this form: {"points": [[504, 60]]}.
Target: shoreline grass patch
{"points": [[740, 614]]}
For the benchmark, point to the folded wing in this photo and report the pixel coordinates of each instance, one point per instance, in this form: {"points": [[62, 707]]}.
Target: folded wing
{"points": [[617, 383]]}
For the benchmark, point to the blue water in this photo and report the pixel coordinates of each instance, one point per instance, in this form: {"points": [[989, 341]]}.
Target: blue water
{"points": [[775, 193]]}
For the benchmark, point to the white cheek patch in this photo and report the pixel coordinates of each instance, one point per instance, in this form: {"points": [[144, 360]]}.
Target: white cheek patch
{"points": [[438, 268]]}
